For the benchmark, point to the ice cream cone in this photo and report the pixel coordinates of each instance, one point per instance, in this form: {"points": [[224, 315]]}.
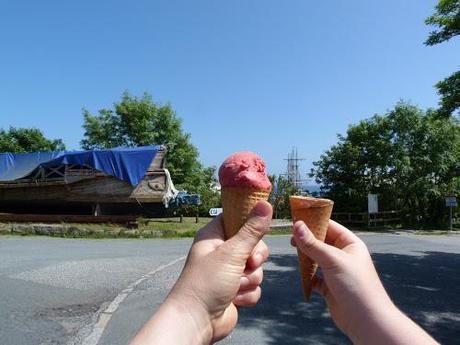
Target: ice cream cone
{"points": [[237, 203], [244, 182], [315, 213]]}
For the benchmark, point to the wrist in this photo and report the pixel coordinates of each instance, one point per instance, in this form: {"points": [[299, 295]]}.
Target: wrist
{"points": [[374, 323], [192, 317], [174, 314]]}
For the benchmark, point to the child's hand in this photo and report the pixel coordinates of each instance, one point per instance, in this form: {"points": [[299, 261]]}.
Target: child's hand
{"points": [[356, 298]]}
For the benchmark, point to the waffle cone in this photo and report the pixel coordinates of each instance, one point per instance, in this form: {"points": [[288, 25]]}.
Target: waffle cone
{"points": [[237, 203], [315, 213]]}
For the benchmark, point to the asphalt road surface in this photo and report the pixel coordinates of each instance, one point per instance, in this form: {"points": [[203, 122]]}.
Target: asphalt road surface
{"points": [[66, 291]]}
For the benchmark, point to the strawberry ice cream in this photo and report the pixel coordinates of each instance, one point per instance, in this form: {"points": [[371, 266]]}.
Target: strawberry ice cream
{"points": [[244, 169]]}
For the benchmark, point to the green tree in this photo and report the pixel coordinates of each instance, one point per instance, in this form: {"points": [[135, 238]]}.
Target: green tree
{"points": [[449, 89], [407, 156], [204, 184], [279, 197], [139, 121], [447, 20], [27, 140]]}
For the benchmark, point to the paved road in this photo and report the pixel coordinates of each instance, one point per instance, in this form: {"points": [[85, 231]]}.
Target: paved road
{"points": [[62, 291]]}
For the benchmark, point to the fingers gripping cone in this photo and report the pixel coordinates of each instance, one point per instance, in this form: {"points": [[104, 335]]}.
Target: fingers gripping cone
{"points": [[315, 213], [237, 203]]}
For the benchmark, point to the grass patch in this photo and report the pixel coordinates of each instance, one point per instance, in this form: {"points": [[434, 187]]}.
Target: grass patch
{"points": [[5, 228], [144, 228], [188, 224], [281, 230], [437, 232], [157, 228]]}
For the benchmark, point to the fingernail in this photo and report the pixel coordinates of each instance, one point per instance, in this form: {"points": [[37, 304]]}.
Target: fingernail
{"points": [[260, 210], [300, 229], [258, 258], [244, 281]]}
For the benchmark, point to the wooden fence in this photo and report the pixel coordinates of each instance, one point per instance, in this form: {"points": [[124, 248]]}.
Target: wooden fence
{"points": [[365, 219]]}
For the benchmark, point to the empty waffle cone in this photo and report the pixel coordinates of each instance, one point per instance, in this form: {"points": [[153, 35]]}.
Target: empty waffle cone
{"points": [[315, 213], [237, 203]]}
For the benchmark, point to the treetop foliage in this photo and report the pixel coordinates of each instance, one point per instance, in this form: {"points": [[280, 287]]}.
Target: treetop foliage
{"points": [[446, 19], [138, 122], [449, 89], [408, 156], [25, 140]]}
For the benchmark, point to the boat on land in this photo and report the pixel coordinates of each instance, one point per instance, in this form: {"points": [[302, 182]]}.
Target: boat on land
{"points": [[116, 181]]}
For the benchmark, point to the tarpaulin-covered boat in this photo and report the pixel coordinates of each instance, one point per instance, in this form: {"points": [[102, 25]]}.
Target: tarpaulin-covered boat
{"points": [[113, 181]]}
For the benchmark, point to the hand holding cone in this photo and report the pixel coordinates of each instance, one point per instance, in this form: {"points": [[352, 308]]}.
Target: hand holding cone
{"points": [[315, 213]]}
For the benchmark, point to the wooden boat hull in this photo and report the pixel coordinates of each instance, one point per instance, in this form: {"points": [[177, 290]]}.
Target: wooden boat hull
{"points": [[88, 192]]}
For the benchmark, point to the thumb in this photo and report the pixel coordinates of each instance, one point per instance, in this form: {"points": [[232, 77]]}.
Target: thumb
{"points": [[322, 253], [257, 225]]}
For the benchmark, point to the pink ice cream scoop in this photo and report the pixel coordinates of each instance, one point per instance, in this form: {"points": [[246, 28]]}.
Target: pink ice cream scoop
{"points": [[244, 169]]}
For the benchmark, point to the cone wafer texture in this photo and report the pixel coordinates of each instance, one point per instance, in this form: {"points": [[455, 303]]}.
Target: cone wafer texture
{"points": [[315, 213], [237, 203]]}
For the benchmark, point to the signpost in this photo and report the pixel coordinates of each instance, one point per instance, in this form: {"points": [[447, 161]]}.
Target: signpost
{"points": [[451, 201], [214, 212], [372, 203], [372, 207]]}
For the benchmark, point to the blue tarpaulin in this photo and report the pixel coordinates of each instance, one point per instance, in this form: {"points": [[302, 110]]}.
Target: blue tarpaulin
{"points": [[13, 166], [128, 164], [183, 198]]}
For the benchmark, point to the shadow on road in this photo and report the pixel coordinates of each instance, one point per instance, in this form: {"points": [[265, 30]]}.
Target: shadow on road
{"points": [[426, 287]]}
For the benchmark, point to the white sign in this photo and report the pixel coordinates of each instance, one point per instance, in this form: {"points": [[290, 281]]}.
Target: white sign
{"points": [[451, 201], [213, 212], [372, 203]]}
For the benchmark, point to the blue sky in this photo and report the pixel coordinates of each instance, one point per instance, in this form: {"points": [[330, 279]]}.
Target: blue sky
{"points": [[259, 75]]}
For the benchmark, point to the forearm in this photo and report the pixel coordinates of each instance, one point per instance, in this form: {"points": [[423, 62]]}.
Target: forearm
{"points": [[174, 323], [390, 326]]}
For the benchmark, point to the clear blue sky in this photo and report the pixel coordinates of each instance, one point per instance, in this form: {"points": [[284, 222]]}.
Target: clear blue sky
{"points": [[259, 75]]}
